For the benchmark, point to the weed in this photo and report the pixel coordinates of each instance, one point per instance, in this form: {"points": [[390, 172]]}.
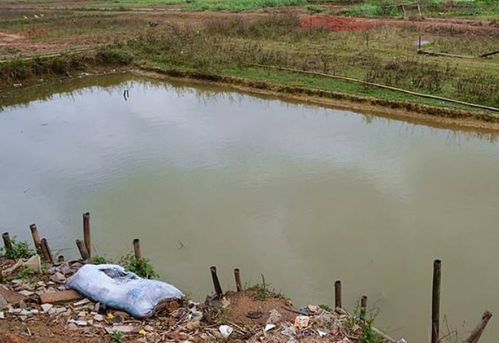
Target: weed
{"points": [[314, 9], [19, 250], [141, 267], [100, 260], [326, 307], [117, 337]]}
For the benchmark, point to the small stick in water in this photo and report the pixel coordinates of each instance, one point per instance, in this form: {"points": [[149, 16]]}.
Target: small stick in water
{"points": [[36, 238], [363, 307], [46, 251], [216, 282], [337, 294], [237, 276], [478, 330], [7, 242], [83, 250], [86, 233], [435, 302], [136, 249]]}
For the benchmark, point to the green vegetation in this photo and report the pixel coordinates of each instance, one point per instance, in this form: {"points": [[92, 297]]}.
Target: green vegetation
{"points": [[117, 337], [392, 8], [239, 5], [236, 47], [19, 250], [100, 260], [142, 267]]}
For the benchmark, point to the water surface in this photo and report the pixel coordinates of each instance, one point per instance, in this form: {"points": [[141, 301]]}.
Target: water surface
{"points": [[301, 194]]}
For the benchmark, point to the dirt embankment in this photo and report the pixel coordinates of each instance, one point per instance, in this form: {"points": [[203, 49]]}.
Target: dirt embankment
{"points": [[37, 307]]}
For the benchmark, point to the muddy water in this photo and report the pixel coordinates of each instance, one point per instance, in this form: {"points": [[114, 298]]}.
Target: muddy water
{"points": [[303, 195]]}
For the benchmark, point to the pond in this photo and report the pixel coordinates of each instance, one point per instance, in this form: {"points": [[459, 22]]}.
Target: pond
{"points": [[301, 194]]}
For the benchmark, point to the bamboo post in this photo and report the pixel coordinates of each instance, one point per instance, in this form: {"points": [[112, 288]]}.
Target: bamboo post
{"points": [[363, 307], [216, 282], [435, 303], [136, 249], [46, 251], [7, 242], [478, 330], [337, 295], [237, 276], [419, 43], [86, 233], [83, 250], [36, 238]]}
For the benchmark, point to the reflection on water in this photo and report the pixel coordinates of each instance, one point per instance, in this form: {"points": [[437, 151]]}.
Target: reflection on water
{"points": [[304, 195]]}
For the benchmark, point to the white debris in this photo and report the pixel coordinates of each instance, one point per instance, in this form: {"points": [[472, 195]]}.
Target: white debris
{"points": [[268, 327], [46, 307], [225, 330]]}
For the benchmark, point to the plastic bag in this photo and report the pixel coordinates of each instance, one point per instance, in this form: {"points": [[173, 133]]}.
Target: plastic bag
{"points": [[117, 288]]}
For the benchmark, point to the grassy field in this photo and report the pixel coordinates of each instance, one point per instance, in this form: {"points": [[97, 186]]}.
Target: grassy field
{"points": [[232, 44]]}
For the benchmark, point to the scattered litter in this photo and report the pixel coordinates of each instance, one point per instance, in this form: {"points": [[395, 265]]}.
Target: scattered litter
{"points": [[268, 327], [225, 330], [302, 322]]}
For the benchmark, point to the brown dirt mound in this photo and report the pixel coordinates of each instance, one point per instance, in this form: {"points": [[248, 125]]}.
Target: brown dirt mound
{"points": [[248, 301]]}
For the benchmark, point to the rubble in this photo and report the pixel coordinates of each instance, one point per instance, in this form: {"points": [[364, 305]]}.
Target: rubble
{"points": [[246, 316]]}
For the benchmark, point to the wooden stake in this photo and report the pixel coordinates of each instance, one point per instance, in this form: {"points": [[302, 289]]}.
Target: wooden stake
{"points": [[216, 282], [136, 249], [86, 233], [83, 250], [337, 294], [36, 238], [237, 276], [46, 251], [7, 242], [419, 43], [478, 330], [363, 307], [435, 302]]}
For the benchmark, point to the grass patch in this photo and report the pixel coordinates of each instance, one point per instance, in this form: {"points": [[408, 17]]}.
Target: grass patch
{"points": [[239, 5], [19, 249]]}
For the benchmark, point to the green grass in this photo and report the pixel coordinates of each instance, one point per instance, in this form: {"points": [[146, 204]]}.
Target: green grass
{"points": [[450, 8], [239, 5]]}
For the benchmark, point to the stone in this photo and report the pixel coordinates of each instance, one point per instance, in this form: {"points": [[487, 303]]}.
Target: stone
{"points": [[79, 322], [99, 317], [2, 315], [56, 310], [58, 277], [22, 305], [82, 314], [9, 296], [46, 307], [35, 311], [3, 302], [26, 293], [97, 307], [23, 318], [25, 312], [148, 328], [122, 328], [72, 326], [81, 302]]}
